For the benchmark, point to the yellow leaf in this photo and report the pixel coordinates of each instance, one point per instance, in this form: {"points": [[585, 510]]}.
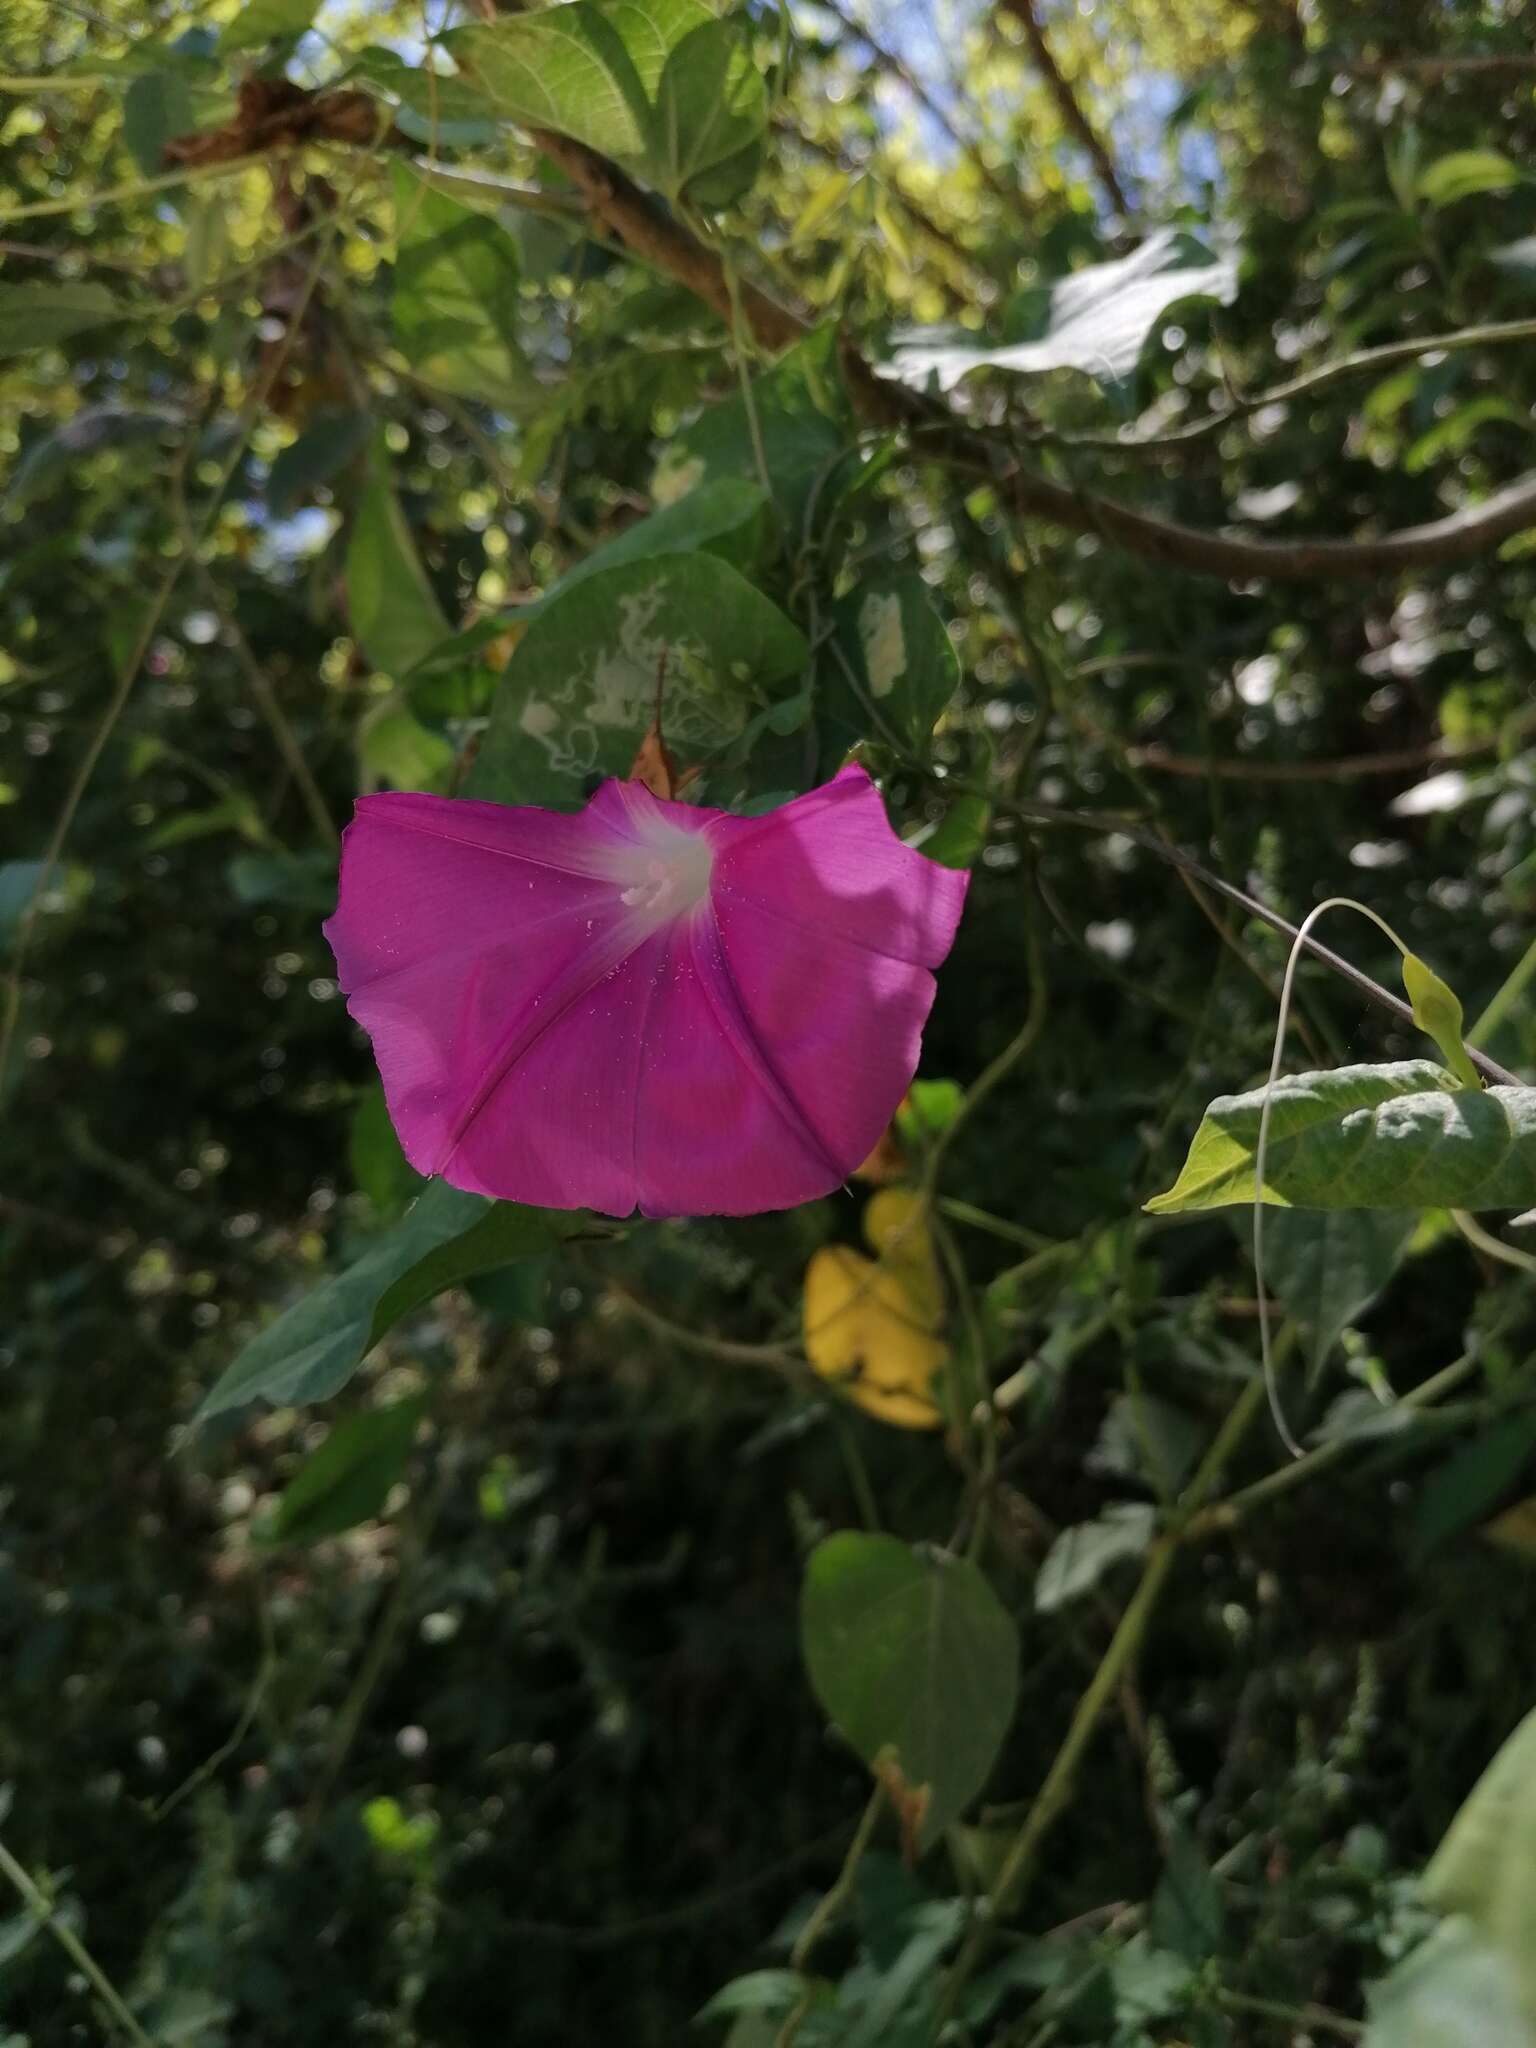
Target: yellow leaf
{"points": [[896, 1227], [866, 1332]]}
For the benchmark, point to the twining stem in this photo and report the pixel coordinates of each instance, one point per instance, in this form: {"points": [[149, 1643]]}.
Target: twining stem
{"points": [[1361, 362], [1030, 813], [1316, 2018], [137, 188], [1056, 1791], [826, 1911], [1515, 985], [1226, 1513], [43, 1910], [1495, 1247]]}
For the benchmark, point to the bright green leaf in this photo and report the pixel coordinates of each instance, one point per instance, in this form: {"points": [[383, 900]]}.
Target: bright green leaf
{"points": [[1465, 173], [564, 68], [1396, 1136], [803, 422], [959, 836], [1485, 1866], [1438, 1014], [1454, 433], [349, 1478], [397, 749], [928, 1108], [914, 1658], [724, 518]]}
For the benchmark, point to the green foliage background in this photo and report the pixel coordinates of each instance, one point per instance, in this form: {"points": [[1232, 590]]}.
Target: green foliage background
{"points": [[495, 1725]]}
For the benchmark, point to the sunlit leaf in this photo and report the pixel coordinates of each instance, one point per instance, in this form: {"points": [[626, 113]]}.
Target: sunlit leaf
{"points": [[1397, 1136], [1437, 1012], [578, 694], [1097, 319], [567, 68], [724, 518], [1464, 174]]}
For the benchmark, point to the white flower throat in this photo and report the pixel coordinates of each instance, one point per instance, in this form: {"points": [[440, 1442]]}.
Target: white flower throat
{"points": [[666, 873]]}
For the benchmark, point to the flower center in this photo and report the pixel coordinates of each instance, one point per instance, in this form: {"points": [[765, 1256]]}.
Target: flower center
{"points": [[668, 875]]}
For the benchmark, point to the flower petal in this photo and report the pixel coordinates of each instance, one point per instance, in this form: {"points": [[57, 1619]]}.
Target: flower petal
{"points": [[646, 1003]]}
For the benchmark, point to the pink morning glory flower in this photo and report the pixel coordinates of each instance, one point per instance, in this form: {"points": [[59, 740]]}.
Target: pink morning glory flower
{"points": [[644, 1003]]}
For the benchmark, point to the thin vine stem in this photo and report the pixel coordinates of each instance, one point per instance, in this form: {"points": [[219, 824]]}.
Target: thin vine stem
{"points": [[826, 1911], [1261, 1147], [45, 1912], [1056, 1788]]}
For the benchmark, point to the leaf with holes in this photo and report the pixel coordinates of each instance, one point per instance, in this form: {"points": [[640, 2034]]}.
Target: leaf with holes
{"points": [[913, 1657], [579, 691], [889, 667], [1401, 1135]]}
